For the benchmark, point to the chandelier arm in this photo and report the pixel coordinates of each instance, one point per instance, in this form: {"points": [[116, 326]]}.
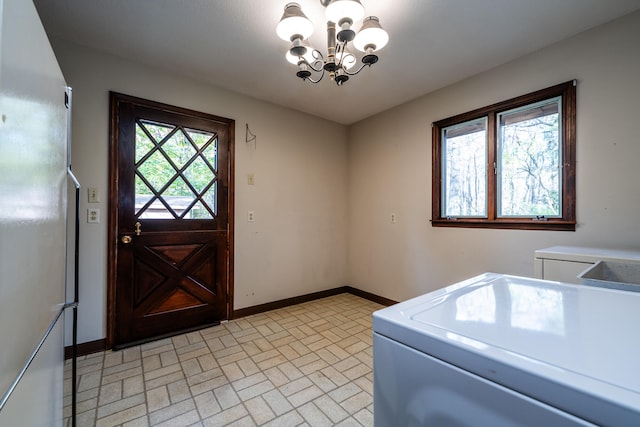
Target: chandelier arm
{"points": [[321, 75], [349, 73], [345, 58], [316, 81], [318, 61], [311, 66]]}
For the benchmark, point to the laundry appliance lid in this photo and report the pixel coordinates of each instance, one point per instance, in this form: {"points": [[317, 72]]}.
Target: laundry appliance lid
{"points": [[573, 347]]}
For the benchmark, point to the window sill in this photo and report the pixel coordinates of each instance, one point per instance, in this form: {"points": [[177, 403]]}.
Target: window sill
{"points": [[509, 224]]}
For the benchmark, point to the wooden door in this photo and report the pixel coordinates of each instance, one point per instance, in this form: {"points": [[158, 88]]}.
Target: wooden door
{"points": [[170, 211]]}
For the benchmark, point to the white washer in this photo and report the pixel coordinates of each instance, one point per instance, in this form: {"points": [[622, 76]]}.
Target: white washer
{"points": [[498, 350]]}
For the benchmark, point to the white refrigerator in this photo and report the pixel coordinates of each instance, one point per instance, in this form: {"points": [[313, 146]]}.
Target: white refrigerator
{"points": [[34, 180]]}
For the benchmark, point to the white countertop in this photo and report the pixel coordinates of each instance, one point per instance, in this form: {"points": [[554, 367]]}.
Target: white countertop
{"points": [[585, 254]]}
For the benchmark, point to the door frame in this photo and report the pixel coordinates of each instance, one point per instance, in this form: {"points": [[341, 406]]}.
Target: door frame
{"points": [[112, 228]]}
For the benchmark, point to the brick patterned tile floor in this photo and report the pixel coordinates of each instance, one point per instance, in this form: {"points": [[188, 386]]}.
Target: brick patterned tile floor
{"points": [[306, 365]]}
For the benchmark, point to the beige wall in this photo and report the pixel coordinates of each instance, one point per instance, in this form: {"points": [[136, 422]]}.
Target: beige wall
{"points": [[297, 244], [324, 193], [390, 169]]}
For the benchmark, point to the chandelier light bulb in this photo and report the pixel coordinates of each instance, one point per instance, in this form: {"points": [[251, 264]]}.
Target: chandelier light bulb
{"points": [[338, 10], [294, 23], [371, 36]]}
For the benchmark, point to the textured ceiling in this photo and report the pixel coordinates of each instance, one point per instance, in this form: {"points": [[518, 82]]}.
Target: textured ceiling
{"points": [[232, 43]]}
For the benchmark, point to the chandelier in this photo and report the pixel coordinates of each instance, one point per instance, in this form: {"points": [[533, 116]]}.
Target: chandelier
{"points": [[339, 62]]}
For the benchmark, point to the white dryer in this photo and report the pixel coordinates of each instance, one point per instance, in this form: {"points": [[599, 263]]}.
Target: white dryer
{"points": [[498, 350]]}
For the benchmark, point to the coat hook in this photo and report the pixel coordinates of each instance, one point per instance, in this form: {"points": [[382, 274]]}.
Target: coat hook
{"points": [[250, 137]]}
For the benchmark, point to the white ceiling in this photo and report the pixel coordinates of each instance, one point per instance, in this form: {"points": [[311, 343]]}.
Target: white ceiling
{"points": [[233, 44]]}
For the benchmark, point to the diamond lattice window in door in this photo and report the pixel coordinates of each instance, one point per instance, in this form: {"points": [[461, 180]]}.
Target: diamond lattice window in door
{"points": [[176, 172]]}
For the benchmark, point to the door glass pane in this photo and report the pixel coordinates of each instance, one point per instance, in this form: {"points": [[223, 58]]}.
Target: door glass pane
{"points": [[179, 149], [199, 211], [199, 174], [211, 154], [144, 145], [143, 196], [168, 159], [199, 138], [157, 170], [529, 160], [464, 187], [209, 198], [178, 196], [158, 131]]}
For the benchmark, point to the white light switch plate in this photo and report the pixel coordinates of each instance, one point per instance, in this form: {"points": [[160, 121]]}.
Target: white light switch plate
{"points": [[93, 195]]}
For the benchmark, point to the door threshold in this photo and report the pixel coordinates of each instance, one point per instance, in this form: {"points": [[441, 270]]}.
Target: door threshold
{"points": [[163, 336]]}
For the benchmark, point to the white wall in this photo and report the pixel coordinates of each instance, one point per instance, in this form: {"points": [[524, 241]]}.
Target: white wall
{"points": [[390, 169], [297, 244]]}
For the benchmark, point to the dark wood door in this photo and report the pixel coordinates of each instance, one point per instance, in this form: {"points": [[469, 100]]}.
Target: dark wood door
{"points": [[170, 219]]}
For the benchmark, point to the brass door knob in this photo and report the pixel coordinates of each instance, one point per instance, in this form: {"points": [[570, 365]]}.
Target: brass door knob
{"points": [[126, 239]]}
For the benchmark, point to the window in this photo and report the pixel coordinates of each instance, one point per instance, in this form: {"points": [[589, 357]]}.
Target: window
{"points": [[508, 165]]}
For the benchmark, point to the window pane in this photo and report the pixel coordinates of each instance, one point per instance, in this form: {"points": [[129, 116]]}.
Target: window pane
{"points": [[529, 153], [464, 184]]}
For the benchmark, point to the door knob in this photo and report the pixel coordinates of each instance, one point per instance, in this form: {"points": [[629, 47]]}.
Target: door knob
{"points": [[126, 239]]}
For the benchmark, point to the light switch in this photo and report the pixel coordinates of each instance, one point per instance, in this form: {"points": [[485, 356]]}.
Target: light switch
{"points": [[93, 215], [251, 179], [94, 195]]}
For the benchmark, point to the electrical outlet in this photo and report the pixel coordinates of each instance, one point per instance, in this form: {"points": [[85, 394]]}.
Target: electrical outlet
{"points": [[251, 217], [94, 195], [393, 218], [93, 216]]}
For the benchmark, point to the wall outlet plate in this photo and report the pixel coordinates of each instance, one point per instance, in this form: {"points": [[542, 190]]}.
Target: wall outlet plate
{"points": [[93, 216]]}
